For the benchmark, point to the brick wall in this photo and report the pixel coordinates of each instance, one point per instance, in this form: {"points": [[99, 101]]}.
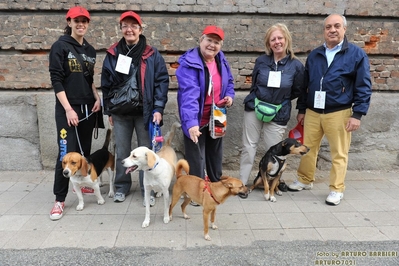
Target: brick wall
{"points": [[29, 28]]}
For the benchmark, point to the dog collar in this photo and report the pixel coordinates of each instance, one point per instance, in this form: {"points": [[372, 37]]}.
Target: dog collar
{"points": [[155, 165]]}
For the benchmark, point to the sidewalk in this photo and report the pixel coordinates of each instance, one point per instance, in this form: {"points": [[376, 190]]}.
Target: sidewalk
{"points": [[368, 212]]}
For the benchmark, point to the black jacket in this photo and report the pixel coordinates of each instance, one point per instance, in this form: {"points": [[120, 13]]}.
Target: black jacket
{"points": [[153, 75], [66, 72]]}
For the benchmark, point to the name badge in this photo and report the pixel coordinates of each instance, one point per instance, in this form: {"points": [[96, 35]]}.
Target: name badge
{"points": [[320, 99], [123, 64], [274, 79]]}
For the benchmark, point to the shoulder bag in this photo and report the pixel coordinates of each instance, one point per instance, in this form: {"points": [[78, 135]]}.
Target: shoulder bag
{"points": [[125, 98]]}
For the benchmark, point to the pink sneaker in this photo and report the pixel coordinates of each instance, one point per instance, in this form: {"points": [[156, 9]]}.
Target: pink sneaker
{"points": [[85, 190], [57, 211]]}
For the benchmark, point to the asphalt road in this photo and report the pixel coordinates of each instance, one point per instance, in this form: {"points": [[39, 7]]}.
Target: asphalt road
{"points": [[259, 253]]}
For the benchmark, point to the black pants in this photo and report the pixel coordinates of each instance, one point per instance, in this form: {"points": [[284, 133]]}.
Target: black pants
{"points": [[67, 140], [206, 154]]}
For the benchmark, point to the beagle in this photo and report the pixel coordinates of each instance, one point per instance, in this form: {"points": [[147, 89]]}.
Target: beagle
{"points": [[86, 172]]}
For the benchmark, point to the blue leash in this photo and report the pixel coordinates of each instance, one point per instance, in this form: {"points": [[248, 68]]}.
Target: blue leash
{"points": [[155, 136]]}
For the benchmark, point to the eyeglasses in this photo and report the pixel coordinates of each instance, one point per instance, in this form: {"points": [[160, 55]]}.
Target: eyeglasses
{"points": [[77, 21], [133, 27]]}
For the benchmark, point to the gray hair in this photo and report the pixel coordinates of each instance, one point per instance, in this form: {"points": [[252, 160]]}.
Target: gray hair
{"points": [[342, 16], [205, 35]]}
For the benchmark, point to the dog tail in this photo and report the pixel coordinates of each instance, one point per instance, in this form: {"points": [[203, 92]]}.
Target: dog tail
{"points": [[171, 133], [107, 138], [182, 164]]}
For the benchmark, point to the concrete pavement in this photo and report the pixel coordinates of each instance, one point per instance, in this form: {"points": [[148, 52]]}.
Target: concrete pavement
{"points": [[368, 212]]}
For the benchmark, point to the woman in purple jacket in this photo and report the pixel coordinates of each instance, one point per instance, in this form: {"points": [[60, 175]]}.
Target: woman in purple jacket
{"points": [[200, 69]]}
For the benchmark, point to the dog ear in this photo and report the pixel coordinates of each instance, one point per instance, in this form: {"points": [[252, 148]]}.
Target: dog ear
{"points": [[225, 181], [84, 166], [151, 159]]}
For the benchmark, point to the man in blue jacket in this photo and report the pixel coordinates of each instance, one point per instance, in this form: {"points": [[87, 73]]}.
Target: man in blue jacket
{"points": [[338, 95]]}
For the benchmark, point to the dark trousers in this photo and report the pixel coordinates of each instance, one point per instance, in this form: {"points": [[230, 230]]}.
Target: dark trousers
{"points": [[67, 140], [207, 155]]}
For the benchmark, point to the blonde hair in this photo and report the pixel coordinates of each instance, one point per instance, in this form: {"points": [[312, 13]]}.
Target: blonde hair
{"points": [[287, 35]]}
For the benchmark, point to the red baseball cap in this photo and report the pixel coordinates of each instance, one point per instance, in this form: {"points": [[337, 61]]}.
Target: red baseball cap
{"points": [[77, 11], [212, 29], [132, 15]]}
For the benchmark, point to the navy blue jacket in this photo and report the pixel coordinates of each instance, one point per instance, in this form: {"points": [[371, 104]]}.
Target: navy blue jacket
{"points": [[154, 80], [292, 85], [346, 81]]}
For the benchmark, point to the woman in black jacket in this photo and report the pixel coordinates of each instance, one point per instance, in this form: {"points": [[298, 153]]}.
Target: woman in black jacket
{"points": [[71, 66], [133, 60]]}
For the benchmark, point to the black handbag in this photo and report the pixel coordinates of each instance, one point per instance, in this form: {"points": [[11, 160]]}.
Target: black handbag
{"points": [[126, 98]]}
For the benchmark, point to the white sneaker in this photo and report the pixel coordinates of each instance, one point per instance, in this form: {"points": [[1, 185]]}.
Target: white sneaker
{"points": [[298, 186], [334, 198]]}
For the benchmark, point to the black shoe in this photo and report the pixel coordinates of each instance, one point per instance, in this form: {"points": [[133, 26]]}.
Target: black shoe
{"points": [[193, 203], [283, 186]]}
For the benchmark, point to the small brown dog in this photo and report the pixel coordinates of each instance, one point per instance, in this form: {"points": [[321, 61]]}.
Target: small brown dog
{"points": [[207, 194]]}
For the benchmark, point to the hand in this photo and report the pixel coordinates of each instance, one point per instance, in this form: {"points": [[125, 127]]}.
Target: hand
{"points": [[72, 117], [97, 106], [352, 125], [111, 122], [194, 133], [157, 118], [229, 101], [300, 118]]}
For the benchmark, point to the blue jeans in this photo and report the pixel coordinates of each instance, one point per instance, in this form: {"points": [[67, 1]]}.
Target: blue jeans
{"points": [[124, 125]]}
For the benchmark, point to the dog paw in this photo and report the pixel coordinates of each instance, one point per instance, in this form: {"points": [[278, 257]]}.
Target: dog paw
{"points": [[273, 199], [267, 196], [145, 224], [158, 194], [207, 237], [80, 207], [111, 194], [278, 192], [186, 216], [100, 202], [166, 220], [214, 226]]}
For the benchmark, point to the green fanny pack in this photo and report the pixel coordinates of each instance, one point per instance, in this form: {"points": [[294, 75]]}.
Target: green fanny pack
{"points": [[266, 111]]}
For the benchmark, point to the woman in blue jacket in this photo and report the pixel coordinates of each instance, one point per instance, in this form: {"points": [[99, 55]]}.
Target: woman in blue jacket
{"points": [[146, 69], [200, 69], [277, 78]]}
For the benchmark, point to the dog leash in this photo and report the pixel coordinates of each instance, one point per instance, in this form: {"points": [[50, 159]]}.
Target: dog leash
{"points": [[76, 130]]}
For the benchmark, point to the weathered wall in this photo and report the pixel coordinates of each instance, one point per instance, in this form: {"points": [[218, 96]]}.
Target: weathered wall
{"points": [[28, 29]]}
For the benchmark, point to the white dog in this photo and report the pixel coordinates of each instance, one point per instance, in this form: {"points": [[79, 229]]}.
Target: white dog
{"points": [[159, 169]]}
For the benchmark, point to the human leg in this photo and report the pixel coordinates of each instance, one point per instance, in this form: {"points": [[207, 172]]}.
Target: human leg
{"points": [[123, 132], [66, 139], [213, 157], [195, 154], [339, 141], [272, 134], [313, 134], [250, 138]]}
